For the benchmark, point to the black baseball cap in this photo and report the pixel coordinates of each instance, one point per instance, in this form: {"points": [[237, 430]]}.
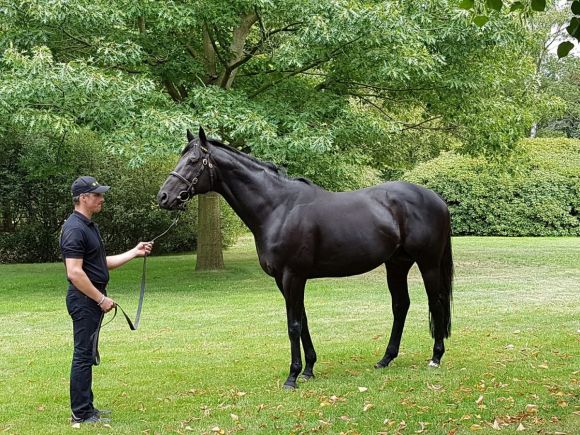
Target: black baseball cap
{"points": [[86, 184]]}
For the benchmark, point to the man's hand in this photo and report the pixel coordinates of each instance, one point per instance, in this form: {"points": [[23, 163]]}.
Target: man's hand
{"points": [[143, 249], [107, 305]]}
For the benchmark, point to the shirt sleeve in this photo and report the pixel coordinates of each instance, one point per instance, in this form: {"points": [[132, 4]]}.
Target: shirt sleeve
{"points": [[72, 243]]}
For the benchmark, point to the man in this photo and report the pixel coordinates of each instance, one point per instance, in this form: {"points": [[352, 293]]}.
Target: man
{"points": [[87, 270]]}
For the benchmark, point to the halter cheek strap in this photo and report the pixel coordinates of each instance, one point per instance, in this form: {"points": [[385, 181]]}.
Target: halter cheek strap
{"points": [[190, 191]]}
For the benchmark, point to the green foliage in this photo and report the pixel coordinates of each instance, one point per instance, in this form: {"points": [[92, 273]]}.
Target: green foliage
{"points": [[343, 92], [525, 9], [35, 179], [535, 192], [305, 70], [561, 79]]}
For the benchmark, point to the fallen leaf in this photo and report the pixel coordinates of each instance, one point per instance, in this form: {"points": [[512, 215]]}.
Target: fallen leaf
{"points": [[40, 408], [76, 426], [475, 427], [188, 428], [543, 366], [531, 409], [240, 394], [520, 428], [496, 425], [479, 401], [389, 422], [345, 418], [563, 404], [234, 417], [434, 387], [423, 427], [362, 389], [107, 425], [368, 406]]}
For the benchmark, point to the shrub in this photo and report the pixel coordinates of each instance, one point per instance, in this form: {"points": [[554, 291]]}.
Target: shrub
{"points": [[35, 179], [533, 192]]}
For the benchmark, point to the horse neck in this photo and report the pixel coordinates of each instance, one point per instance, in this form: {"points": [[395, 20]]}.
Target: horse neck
{"points": [[253, 190]]}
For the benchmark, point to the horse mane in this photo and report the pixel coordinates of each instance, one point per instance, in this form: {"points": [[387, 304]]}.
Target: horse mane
{"points": [[268, 165]]}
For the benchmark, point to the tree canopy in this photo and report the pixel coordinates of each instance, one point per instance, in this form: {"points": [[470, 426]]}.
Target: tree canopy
{"points": [[345, 93]]}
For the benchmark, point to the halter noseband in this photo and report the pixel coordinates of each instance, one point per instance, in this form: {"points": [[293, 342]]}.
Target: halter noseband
{"points": [[188, 193]]}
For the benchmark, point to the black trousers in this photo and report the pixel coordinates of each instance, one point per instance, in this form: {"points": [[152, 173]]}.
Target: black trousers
{"points": [[87, 317]]}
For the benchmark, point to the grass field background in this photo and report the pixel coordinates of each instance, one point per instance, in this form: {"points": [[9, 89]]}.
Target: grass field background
{"points": [[212, 351]]}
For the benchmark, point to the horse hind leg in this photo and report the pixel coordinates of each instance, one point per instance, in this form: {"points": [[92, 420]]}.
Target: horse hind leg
{"points": [[397, 271], [439, 317]]}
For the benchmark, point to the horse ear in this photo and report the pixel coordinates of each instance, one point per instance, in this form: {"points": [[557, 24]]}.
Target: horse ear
{"points": [[190, 136], [202, 138]]}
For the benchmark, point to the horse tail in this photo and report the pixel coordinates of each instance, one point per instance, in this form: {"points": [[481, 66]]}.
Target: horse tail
{"points": [[446, 288]]}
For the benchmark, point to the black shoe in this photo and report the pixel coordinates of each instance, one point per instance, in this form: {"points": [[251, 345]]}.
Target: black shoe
{"points": [[101, 412], [92, 419]]}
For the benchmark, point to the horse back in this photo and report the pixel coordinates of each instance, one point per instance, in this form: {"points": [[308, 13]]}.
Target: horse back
{"points": [[346, 233]]}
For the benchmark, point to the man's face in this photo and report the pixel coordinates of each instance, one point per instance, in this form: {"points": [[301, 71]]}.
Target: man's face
{"points": [[93, 201]]}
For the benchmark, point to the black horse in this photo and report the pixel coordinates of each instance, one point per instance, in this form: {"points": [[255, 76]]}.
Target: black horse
{"points": [[303, 231]]}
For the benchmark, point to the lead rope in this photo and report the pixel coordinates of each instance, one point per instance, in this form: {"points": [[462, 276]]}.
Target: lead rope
{"points": [[133, 325]]}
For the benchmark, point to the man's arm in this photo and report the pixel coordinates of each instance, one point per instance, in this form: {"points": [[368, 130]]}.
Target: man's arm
{"points": [[78, 278], [142, 249]]}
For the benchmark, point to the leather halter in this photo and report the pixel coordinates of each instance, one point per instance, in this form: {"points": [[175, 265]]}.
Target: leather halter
{"points": [[190, 190]]}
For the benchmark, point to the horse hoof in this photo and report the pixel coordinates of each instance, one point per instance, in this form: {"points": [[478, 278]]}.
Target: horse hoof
{"points": [[381, 365], [290, 386], [433, 364], [306, 378]]}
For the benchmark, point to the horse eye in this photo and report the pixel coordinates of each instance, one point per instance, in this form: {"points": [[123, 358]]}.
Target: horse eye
{"points": [[183, 195]]}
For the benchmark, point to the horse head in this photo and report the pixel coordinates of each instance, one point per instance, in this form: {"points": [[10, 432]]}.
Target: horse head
{"points": [[194, 174]]}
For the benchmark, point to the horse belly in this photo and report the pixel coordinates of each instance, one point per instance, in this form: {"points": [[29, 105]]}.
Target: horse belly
{"points": [[353, 251]]}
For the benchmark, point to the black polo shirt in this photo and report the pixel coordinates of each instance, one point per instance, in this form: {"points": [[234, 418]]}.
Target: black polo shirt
{"points": [[80, 238]]}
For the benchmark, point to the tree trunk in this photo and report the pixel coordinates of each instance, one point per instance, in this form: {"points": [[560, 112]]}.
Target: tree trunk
{"points": [[209, 233]]}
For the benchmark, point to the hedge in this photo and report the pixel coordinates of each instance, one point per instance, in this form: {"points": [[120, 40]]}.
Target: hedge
{"points": [[533, 192]]}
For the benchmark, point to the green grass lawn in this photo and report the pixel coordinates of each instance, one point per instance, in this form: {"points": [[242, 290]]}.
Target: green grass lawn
{"points": [[212, 351]]}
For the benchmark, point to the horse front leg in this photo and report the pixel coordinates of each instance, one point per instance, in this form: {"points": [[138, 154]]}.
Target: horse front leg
{"points": [[293, 290], [309, 352]]}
